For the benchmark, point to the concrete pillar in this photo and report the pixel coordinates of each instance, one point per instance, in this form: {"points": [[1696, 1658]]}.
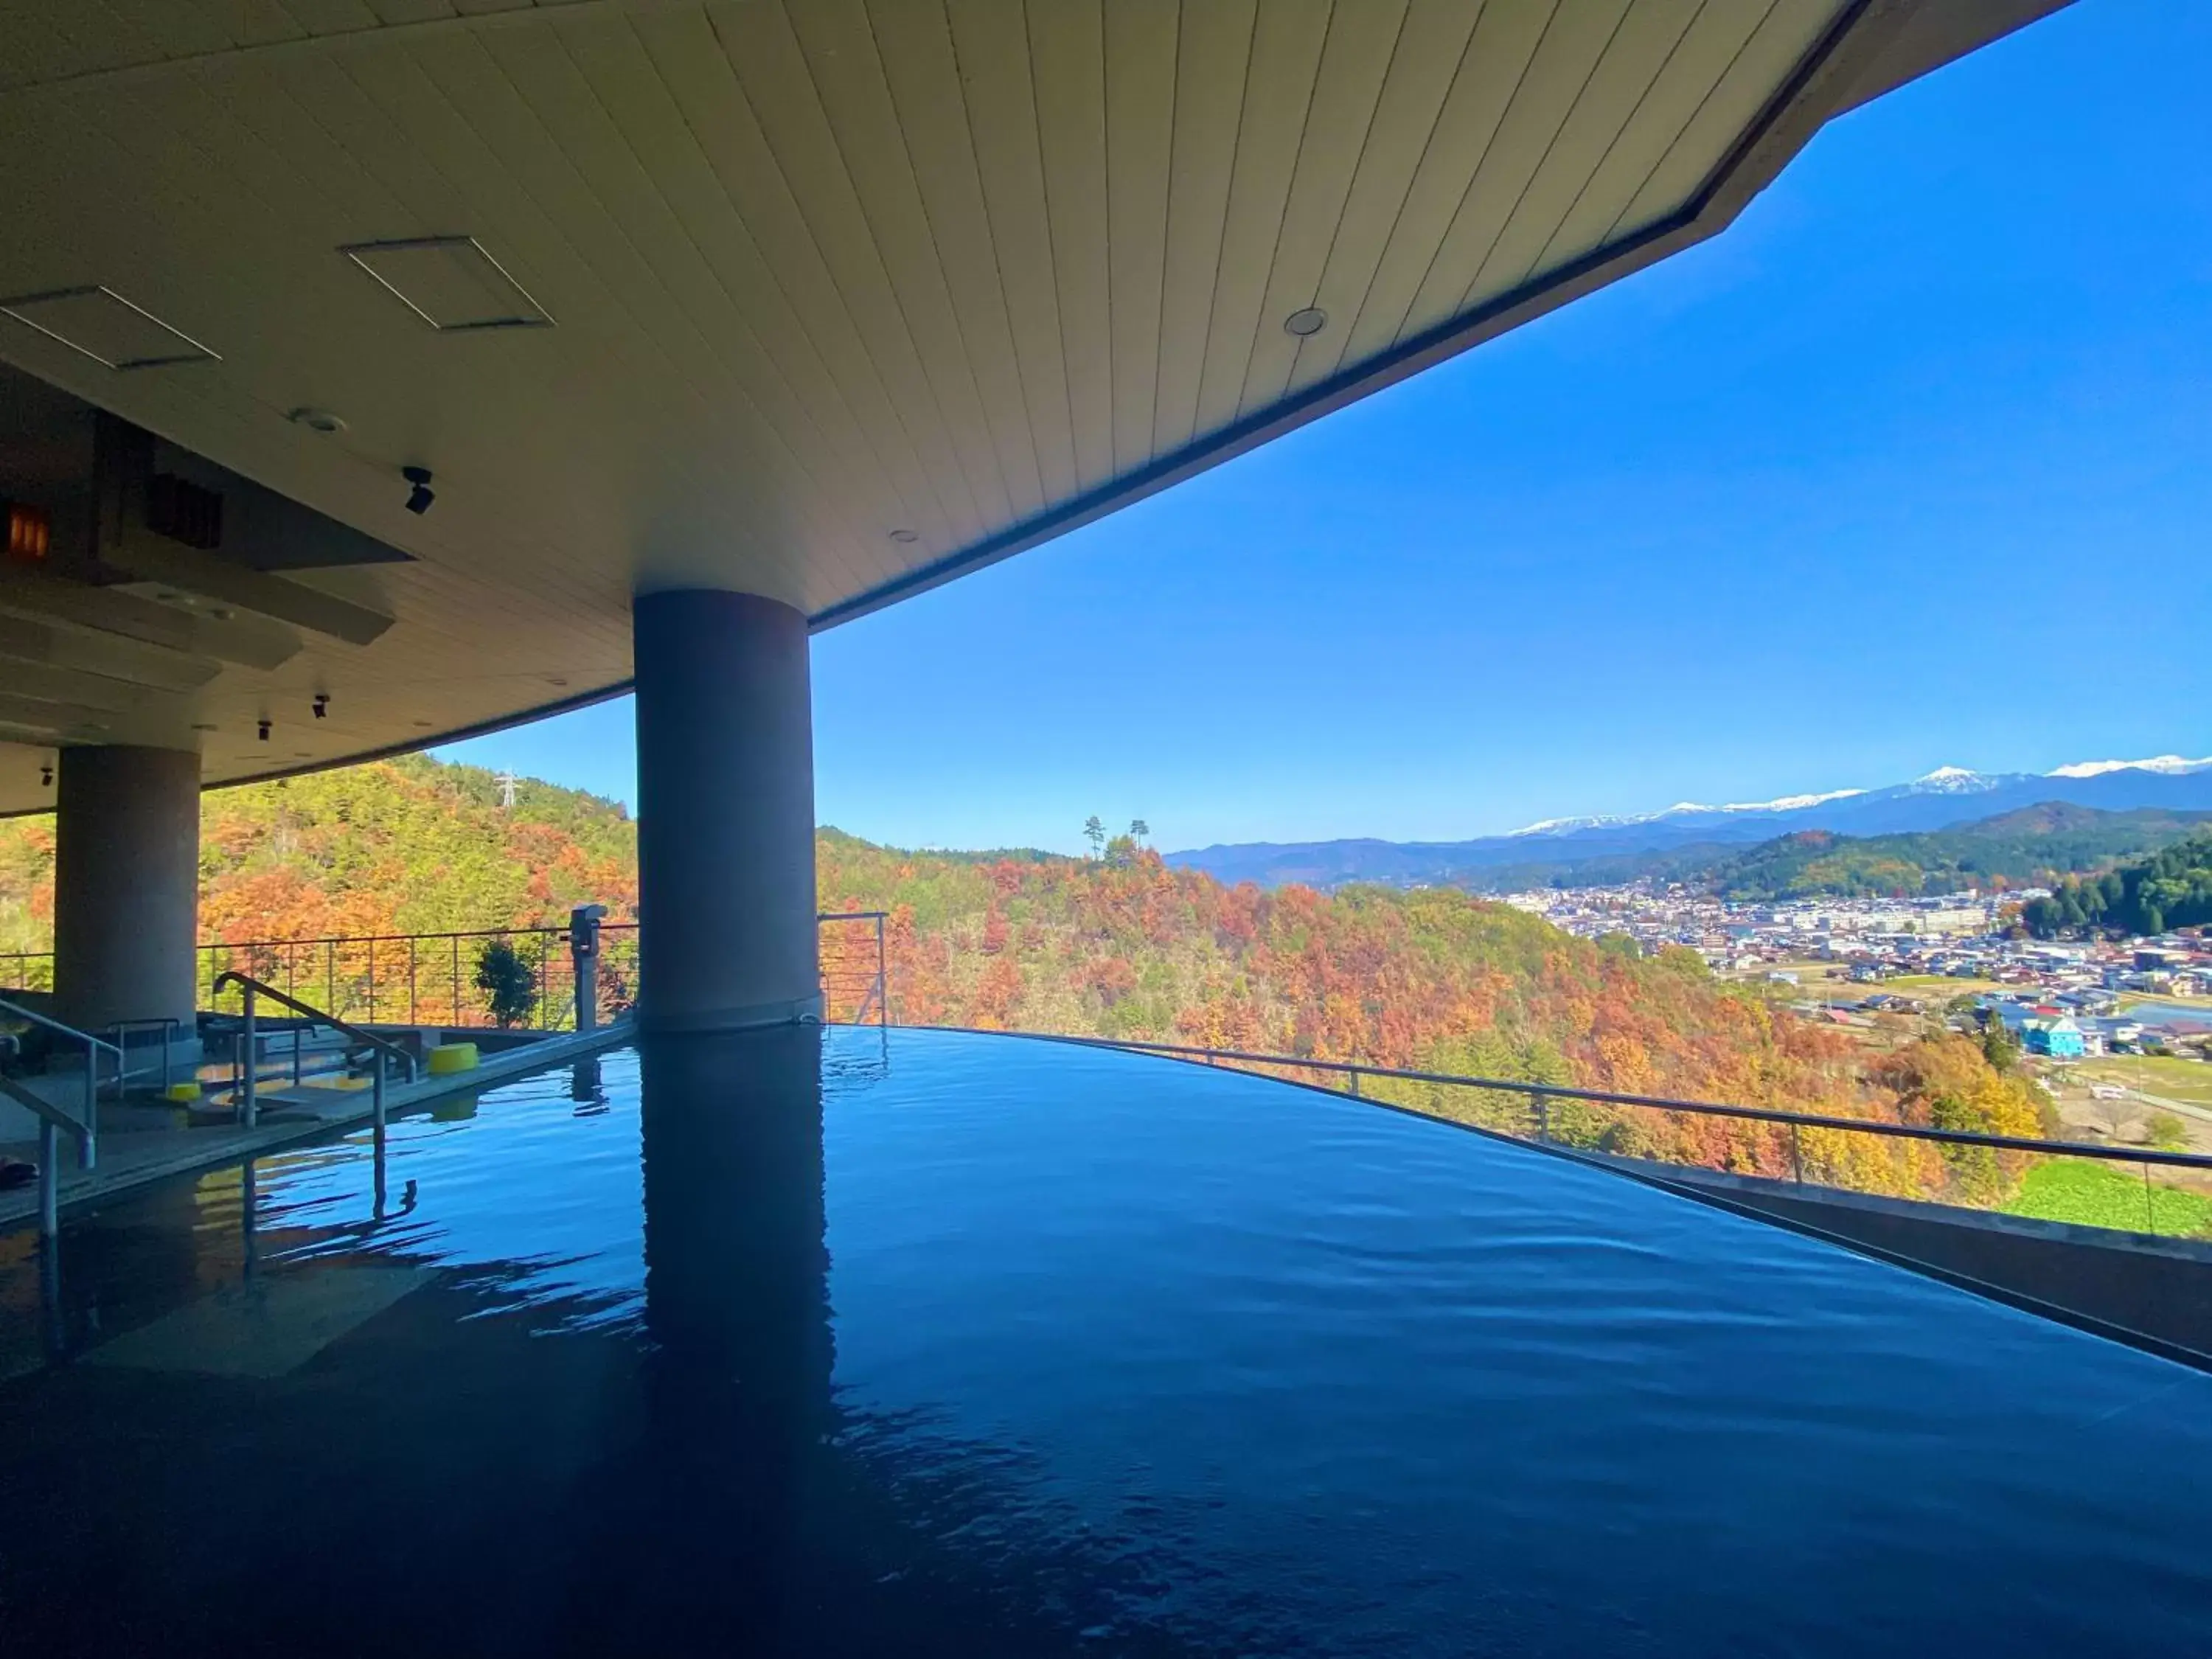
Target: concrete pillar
{"points": [[725, 813], [126, 885]]}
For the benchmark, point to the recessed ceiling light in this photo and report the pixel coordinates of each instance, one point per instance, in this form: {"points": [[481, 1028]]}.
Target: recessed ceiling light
{"points": [[302, 754], [201, 726], [106, 327], [425, 725], [555, 679], [1306, 323], [317, 420], [904, 536], [450, 282]]}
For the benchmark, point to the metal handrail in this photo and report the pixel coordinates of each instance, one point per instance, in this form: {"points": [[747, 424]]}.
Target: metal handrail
{"points": [[253, 988], [88, 1139], [1564, 1091]]}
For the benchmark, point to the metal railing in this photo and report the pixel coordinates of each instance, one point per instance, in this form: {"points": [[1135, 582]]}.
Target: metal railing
{"points": [[855, 973], [1964, 1167], [250, 991], [430, 979], [94, 1048]]}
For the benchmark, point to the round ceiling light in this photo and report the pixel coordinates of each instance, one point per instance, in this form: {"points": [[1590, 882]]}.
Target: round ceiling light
{"points": [[903, 536], [317, 420], [1307, 322]]}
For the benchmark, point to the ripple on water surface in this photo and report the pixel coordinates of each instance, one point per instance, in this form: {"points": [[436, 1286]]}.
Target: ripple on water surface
{"points": [[1172, 1359]]}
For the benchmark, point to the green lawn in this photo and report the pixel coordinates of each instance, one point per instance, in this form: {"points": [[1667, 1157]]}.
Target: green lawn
{"points": [[2109, 1195], [2159, 1074]]}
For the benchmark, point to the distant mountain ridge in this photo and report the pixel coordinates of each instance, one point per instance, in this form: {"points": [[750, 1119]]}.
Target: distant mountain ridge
{"points": [[1949, 796]]}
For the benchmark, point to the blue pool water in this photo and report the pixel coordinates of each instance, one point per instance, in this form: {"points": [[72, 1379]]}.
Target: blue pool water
{"points": [[981, 1345]]}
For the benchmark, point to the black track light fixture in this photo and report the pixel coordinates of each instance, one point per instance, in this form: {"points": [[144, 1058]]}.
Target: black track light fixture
{"points": [[420, 497]]}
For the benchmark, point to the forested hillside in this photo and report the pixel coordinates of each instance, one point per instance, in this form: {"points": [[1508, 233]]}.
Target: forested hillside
{"points": [[1118, 946], [403, 846], [2032, 847], [2172, 887]]}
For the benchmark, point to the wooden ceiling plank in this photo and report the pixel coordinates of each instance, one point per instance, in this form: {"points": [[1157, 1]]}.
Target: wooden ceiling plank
{"points": [[503, 141], [1286, 49], [389, 12], [777, 76], [913, 41], [1213, 52], [1141, 52], [1497, 55], [1067, 79], [1355, 65], [1424, 70], [50, 684], [62, 718], [103, 609], [403, 133], [1692, 68], [990, 39], [1777, 46], [597, 189], [108, 656], [801, 303], [854, 98], [1616, 89], [323, 17], [156, 559], [794, 387], [642, 165], [261, 23], [1575, 38]]}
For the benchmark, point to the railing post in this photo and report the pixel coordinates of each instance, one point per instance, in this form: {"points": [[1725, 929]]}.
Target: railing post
{"points": [[1354, 1075], [1798, 1154], [167, 1027], [295, 1055], [410, 980], [1540, 1108], [249, 1105], [376, 1121], [454, 1006], [882, 977], [50, 1182], [329, 975], [371, 983], [91, 1148]]}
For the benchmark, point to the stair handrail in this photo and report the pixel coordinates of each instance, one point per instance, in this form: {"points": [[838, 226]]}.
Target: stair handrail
{"points": [[253, 988], [88, 1134]]}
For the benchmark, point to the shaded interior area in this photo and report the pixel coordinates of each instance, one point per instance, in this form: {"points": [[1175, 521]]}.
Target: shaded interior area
{"points": [[936, 1344]]}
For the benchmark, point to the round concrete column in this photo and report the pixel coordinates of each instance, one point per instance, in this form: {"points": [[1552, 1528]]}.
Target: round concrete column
{"points": [[725, 813], [126, 885]]}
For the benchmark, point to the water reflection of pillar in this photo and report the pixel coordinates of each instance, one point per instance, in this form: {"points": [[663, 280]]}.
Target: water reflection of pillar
{"points": [[736, 1307]]}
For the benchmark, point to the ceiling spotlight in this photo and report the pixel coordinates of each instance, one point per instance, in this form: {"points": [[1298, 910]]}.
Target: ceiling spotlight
{"points": [[46, 776], [317, 420], [904, 536], [1307, 322], [322, 704], [420, 497], [263, 726]]}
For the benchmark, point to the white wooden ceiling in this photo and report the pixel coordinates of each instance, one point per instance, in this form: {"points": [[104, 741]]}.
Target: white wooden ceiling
{"points": [[846, 296]]}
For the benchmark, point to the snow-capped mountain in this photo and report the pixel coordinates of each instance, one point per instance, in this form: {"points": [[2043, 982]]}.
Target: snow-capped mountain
{"points": [[1947, 795]]}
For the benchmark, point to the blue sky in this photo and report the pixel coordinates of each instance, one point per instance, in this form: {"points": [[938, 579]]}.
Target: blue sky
{"points": [[1906, 468]]}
